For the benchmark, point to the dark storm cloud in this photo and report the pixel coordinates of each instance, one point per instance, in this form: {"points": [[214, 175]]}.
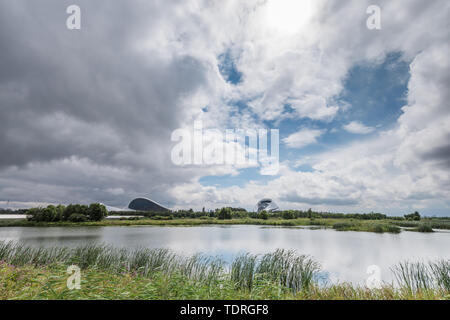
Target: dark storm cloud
{"points": [[440, 155], [91, 78], [86, 115], [294, 198]]}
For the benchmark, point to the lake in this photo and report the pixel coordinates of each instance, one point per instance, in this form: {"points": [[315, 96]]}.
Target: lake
{"points": [[344, 256]]}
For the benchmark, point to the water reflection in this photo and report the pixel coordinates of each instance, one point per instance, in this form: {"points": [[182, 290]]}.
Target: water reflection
{"points": [[344, 256]]}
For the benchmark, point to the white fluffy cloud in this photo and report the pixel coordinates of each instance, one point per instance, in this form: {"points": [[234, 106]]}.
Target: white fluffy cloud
{"points": [[303, 138], [358, 128], [401, 169]]}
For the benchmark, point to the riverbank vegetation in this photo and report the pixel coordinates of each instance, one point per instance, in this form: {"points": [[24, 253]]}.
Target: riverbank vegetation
{"points": [[93, 215], [71, 213], [113, 273]]}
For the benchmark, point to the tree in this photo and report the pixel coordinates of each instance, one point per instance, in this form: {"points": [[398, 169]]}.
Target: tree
{"points": [[76, 217], [263, 215], [225, 213], [96, 212], [49, 214], [287, 215], [413, 216], [74, 208]]}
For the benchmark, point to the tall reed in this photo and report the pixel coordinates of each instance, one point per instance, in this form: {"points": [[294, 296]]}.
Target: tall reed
{"points": [[418, 276], [282, 268]]}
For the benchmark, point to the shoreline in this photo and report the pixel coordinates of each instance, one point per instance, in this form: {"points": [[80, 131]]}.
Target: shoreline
{"points": [[376, 226]]}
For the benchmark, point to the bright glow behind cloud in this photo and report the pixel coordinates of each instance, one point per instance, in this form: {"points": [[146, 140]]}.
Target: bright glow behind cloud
{"points": [[287, 16]]}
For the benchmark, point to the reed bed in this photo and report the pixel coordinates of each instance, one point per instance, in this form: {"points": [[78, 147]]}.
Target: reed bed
{"points": [[274, 275], [420, 276], [282, 267]]}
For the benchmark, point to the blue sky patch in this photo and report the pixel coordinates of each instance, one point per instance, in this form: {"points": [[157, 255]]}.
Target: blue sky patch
{"points": [[228, 69], [374, 94]]}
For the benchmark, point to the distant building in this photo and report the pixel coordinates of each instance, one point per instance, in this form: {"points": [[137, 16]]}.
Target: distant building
{"points": [[144, 204], [267, 204]]}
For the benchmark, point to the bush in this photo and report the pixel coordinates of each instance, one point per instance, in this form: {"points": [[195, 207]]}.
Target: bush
{"points": [[343, 226], [381, 228], [49, 214], [424, 228], [238, 214], [76, 217], [97, 212], [166, 217], [287, 215], [35, 214], [75, 208], [413, 216], [263, 215], [225, 213]]}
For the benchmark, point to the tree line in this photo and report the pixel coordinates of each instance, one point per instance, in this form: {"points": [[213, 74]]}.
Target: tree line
{"points": [[72, 213]]}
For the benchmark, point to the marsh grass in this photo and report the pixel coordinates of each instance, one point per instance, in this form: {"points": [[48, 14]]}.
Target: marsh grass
{"points": [[424, 228], [289, 269], [441, 272], [243, 270], [160, 273], [366, 226], [421, 276], [282, 267], [347, 224]]}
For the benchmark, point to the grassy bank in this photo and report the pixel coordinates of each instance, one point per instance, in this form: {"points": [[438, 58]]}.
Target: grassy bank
{"points": [[110, 273], [379, 226]]}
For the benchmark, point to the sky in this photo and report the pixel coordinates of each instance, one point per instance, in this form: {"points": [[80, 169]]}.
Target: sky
{"points": [[363, 114]]}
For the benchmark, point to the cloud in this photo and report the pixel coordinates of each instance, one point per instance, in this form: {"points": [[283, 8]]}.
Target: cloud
{"points": [[396, 170], [357, 127], [303, 138], [87, 115], [319, 201]]}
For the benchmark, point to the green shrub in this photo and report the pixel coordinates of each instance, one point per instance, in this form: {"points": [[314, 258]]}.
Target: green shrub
{"points": [[381, 228], [225, 213], [49, 214], [34, 214], [96, 212], [168, 217], [424, 228], [263, 215], [378, 228], [287, 215], [75, 208], [413, 216], [76, 217], [341, 226]]}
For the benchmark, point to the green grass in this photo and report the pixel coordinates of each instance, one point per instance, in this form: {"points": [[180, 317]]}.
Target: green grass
{"points": [[420, 276], [366, 226], [378, 226], [113, 273], [433, 223], [424, 228]]}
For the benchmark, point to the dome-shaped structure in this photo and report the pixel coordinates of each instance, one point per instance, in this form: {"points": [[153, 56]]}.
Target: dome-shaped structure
{"points": [[144, 204], [266, 204]]}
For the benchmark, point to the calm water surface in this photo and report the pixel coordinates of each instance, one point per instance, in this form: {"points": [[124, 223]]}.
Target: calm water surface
{"points": [[344, 256]]}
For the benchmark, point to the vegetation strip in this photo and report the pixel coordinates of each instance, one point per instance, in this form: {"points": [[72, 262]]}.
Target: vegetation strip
{"points": [[113, 273], [94, 214]]}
